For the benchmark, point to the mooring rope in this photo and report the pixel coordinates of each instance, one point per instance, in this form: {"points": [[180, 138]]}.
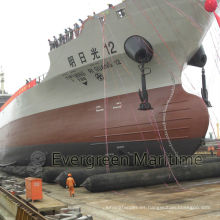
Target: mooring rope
{"points": [[105, 96]]}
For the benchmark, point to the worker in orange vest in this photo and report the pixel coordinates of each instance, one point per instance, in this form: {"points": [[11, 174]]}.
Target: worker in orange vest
{"points": [[70, 183], [211, 149]]}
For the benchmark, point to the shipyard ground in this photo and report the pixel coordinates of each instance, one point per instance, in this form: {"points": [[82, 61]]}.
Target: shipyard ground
{"points": [[189, 200]]}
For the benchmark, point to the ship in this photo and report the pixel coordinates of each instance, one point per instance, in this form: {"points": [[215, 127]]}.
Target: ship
{"points": [[115, 89]]}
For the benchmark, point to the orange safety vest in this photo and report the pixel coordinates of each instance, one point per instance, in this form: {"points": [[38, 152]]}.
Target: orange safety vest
{"points": [[211, 148], [70, 182]]}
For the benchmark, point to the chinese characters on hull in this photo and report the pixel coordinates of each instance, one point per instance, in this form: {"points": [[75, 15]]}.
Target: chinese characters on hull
{"points": [[94, 53], [95, 70]]}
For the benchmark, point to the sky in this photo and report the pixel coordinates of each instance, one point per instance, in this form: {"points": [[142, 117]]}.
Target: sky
{"points": [[26, 26]]}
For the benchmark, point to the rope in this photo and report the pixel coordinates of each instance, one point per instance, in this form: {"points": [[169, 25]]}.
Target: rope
{"points": [[172, 77], [196, 25], [164, 123], [105, 97]]}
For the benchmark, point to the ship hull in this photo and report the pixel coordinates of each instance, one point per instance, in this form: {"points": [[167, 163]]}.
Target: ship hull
{"points": [[176, 125], [88, 103], [77, 154]]}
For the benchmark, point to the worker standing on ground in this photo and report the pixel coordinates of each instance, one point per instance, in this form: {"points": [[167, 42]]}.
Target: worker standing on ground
{"points": [[70, 183]]}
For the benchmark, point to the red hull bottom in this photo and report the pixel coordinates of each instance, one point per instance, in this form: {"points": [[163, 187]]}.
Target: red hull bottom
{"points": [[177, 123]]}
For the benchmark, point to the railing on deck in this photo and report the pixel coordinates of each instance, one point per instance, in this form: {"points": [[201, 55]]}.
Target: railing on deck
{"points": [[71, 35], [40, 78]]}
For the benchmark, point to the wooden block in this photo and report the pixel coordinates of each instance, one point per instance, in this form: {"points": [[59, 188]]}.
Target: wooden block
{"points": [[47, 204]]}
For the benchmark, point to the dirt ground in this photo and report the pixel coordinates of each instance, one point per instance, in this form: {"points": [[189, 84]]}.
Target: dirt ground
{"points": [[188, 200]]}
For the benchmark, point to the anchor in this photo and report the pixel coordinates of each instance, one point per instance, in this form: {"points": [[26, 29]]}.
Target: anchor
{"points": [[199, 59], [145, 105], [140, 50], [204, 90]]}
